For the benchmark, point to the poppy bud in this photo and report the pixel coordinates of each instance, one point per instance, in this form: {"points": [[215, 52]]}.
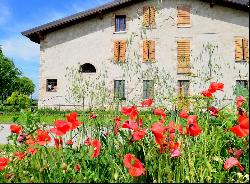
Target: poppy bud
{"points": [[64, 166], [21, 138]]}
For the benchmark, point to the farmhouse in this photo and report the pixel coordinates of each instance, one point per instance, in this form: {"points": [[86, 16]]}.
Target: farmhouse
{"points": [[129, 50]]}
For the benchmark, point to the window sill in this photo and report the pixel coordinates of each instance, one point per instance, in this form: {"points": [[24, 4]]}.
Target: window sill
{"points": [[120, 32], [184, 26], [243, 61], [51, 91], [150, 27]]}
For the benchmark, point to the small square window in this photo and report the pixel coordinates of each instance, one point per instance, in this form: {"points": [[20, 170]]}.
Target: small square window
{"points": [[242, 83], [51, 85], [120, 23], [119, 87], [148, 89], [183, 88]]}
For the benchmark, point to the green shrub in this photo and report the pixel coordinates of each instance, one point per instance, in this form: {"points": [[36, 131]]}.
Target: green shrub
{"points": [[18, 101]]}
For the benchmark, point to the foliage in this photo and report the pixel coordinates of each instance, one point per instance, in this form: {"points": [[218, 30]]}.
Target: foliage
{"points": [[11, 79], [19, 101], [8, 76], [25, 86]]}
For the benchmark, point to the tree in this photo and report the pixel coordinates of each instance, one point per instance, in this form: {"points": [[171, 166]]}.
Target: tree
{"points": [[25, 85], [8, 76]]}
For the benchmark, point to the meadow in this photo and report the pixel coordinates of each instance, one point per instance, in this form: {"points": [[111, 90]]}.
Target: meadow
{"points": [[150, 145]]}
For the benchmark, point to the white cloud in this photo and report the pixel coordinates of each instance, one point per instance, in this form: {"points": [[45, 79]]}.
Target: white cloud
{"points": [[4, 13], [20, 48]]}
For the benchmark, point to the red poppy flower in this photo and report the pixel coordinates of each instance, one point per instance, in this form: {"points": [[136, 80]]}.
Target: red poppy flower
{"points": [[171, 127], [73, 122], [87, 141], [243, 121], [207, 93], [130, 111], [134, 165], [147, 102], [158, 130], [213, 111], [117, 124], [238, 153], [3, 163], [70, 142], [240, 132], [239, 101], [30, 141], [184, 114], [130, 125], [180, 129], [214, 86], [138, 135], [78, 168], [43, 137], [193, 129], [31, 150], [96, 144], [192, 119], [58, 143], [61, 128], [175, 153], [20, 155], [15, 129], [232, 162], [93, 116], [97, 148], [160, 112]]}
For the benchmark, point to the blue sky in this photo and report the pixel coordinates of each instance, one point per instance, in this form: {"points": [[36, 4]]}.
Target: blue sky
{"points": [[20, 15]]}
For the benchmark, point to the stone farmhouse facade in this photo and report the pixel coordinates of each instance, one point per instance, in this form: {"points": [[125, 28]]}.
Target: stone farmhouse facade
{"points": [[144, 49]]}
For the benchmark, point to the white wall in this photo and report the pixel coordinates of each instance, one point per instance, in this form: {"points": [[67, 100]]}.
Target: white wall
{"points": [[92, 42]]}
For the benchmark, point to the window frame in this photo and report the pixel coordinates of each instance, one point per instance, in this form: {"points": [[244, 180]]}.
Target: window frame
{"points": [[180, 87], [54, 87], [121, 89], [124, 21], [146, 89]]}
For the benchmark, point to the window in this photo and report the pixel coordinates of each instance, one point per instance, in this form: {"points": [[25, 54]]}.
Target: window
{"points": [[120, 51], [148, 89], [51, 85], [148, 50], [241, 49], [119, 87], [87, 68], [149, 16], [183, 56], [242, 83], [120, 23], [183, 88], [183, 16]]}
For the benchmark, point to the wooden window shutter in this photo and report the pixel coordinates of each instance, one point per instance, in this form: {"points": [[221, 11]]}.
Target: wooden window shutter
{"points": [[123, 45], [245, 46], [145, 50], [152, 11], [183, 56], [146, 16], [116, 50], [183, 15], [238, 49], [151, 51]]}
